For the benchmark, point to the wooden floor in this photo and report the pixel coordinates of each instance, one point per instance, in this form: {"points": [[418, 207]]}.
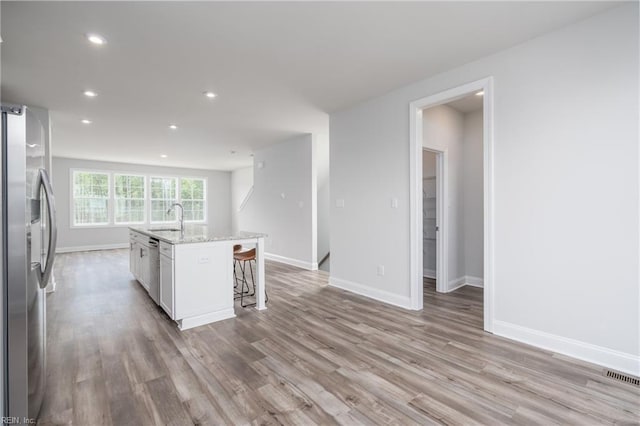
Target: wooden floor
{"points": [[318, 355]]}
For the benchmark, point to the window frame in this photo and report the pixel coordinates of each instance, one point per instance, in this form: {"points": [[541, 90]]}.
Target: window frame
{"points": [[204, 193], [149, 206], [145, 198], [72, 199]]}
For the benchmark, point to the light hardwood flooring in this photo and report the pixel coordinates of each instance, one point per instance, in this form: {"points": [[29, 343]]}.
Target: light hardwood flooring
{"points": [[318, 355]]}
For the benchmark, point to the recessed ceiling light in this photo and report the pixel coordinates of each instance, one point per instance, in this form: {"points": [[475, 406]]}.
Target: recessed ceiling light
{"points": [[480, 93], [232, 152], [90, 93], [96, 39], [210, 95], [85, 121], [173, 126], [163, 155], [32, 145]]}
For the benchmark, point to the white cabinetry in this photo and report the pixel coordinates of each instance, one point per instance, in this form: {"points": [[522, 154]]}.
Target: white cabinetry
{"points": [[133, 256], [202, 274], [195, 285], [139, 258], [167, 287]]}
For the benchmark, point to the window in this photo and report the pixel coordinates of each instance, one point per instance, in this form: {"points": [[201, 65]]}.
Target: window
{"points": [[90, 198], [129, 197], [192, 196], [122, 198], [163, 194]]}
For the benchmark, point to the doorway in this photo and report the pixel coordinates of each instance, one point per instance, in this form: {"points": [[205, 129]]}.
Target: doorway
{"points": [[434, 184], [460, 144]]}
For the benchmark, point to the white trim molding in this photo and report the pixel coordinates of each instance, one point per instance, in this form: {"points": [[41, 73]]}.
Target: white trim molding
{"points": [[310, 266], [91, 248], [245, 200], [473, 281], [453, 285], [600, 355], [198, 320], [415, 193], [464, 281], [370, 292]]}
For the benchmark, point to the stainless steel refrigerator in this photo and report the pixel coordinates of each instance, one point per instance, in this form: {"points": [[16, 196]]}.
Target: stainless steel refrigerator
{"points": [[28, 251]]}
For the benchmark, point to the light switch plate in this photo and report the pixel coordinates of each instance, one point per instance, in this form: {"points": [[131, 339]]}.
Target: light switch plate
{"points": [[340, 203]]}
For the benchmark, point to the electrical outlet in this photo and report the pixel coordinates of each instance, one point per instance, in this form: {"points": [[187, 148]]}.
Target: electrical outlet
{"points": [[381, 270], [339, 203], [394, 203]]}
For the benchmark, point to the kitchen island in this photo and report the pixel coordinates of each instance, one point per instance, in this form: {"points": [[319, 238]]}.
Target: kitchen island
{"points": [[190, 274]]}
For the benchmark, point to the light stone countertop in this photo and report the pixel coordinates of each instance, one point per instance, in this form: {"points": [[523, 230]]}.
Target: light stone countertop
{"points": [[193, 234]]}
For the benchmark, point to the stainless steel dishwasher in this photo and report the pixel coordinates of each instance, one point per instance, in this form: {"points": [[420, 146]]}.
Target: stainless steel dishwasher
{"points": [[154, 270]]}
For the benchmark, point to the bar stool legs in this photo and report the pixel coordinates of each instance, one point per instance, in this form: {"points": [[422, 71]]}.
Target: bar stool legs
{"points": [[245, 283], [240, 258]]}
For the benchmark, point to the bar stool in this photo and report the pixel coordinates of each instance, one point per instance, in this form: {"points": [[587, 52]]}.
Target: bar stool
{"points": [[241, 257], [236, 247]]}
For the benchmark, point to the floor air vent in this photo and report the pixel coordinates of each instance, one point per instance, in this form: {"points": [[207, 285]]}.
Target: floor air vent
{"points": [[623, 378]]}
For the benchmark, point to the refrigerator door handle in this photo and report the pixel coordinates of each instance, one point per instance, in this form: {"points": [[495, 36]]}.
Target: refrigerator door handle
{"points": [[45, 183]]}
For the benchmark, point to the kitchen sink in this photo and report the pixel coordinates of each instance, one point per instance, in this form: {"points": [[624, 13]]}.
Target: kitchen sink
{"points": [[164, 229]]}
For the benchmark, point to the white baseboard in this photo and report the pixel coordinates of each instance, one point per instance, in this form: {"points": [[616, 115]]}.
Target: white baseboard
{"points": [[373, 293], [456, 284], [311, 266], [198, 320], [465, 280], [474, 281], [609, 358], [91, 248], [429, 273]]}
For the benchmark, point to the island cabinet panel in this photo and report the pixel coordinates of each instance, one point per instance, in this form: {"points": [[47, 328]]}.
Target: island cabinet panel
{"points": [[137, 253], [166, 249], [167, 285], [133, 257], [203, 277]]}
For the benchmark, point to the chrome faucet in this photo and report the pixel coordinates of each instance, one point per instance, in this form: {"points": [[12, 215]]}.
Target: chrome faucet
{"points": [[181, 216]]}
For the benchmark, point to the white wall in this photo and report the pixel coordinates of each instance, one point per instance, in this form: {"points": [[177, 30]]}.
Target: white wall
{"points": [[566, 189], [428, 164], [218, 199], [472, 184], [283, 203], [241, 184]]}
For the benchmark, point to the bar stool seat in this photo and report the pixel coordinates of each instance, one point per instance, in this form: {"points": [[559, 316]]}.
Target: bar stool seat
{"points": [[244, 255]]}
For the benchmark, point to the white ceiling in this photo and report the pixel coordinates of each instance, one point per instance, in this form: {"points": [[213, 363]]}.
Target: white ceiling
{"points": [[278, 68], [467, 104]]}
